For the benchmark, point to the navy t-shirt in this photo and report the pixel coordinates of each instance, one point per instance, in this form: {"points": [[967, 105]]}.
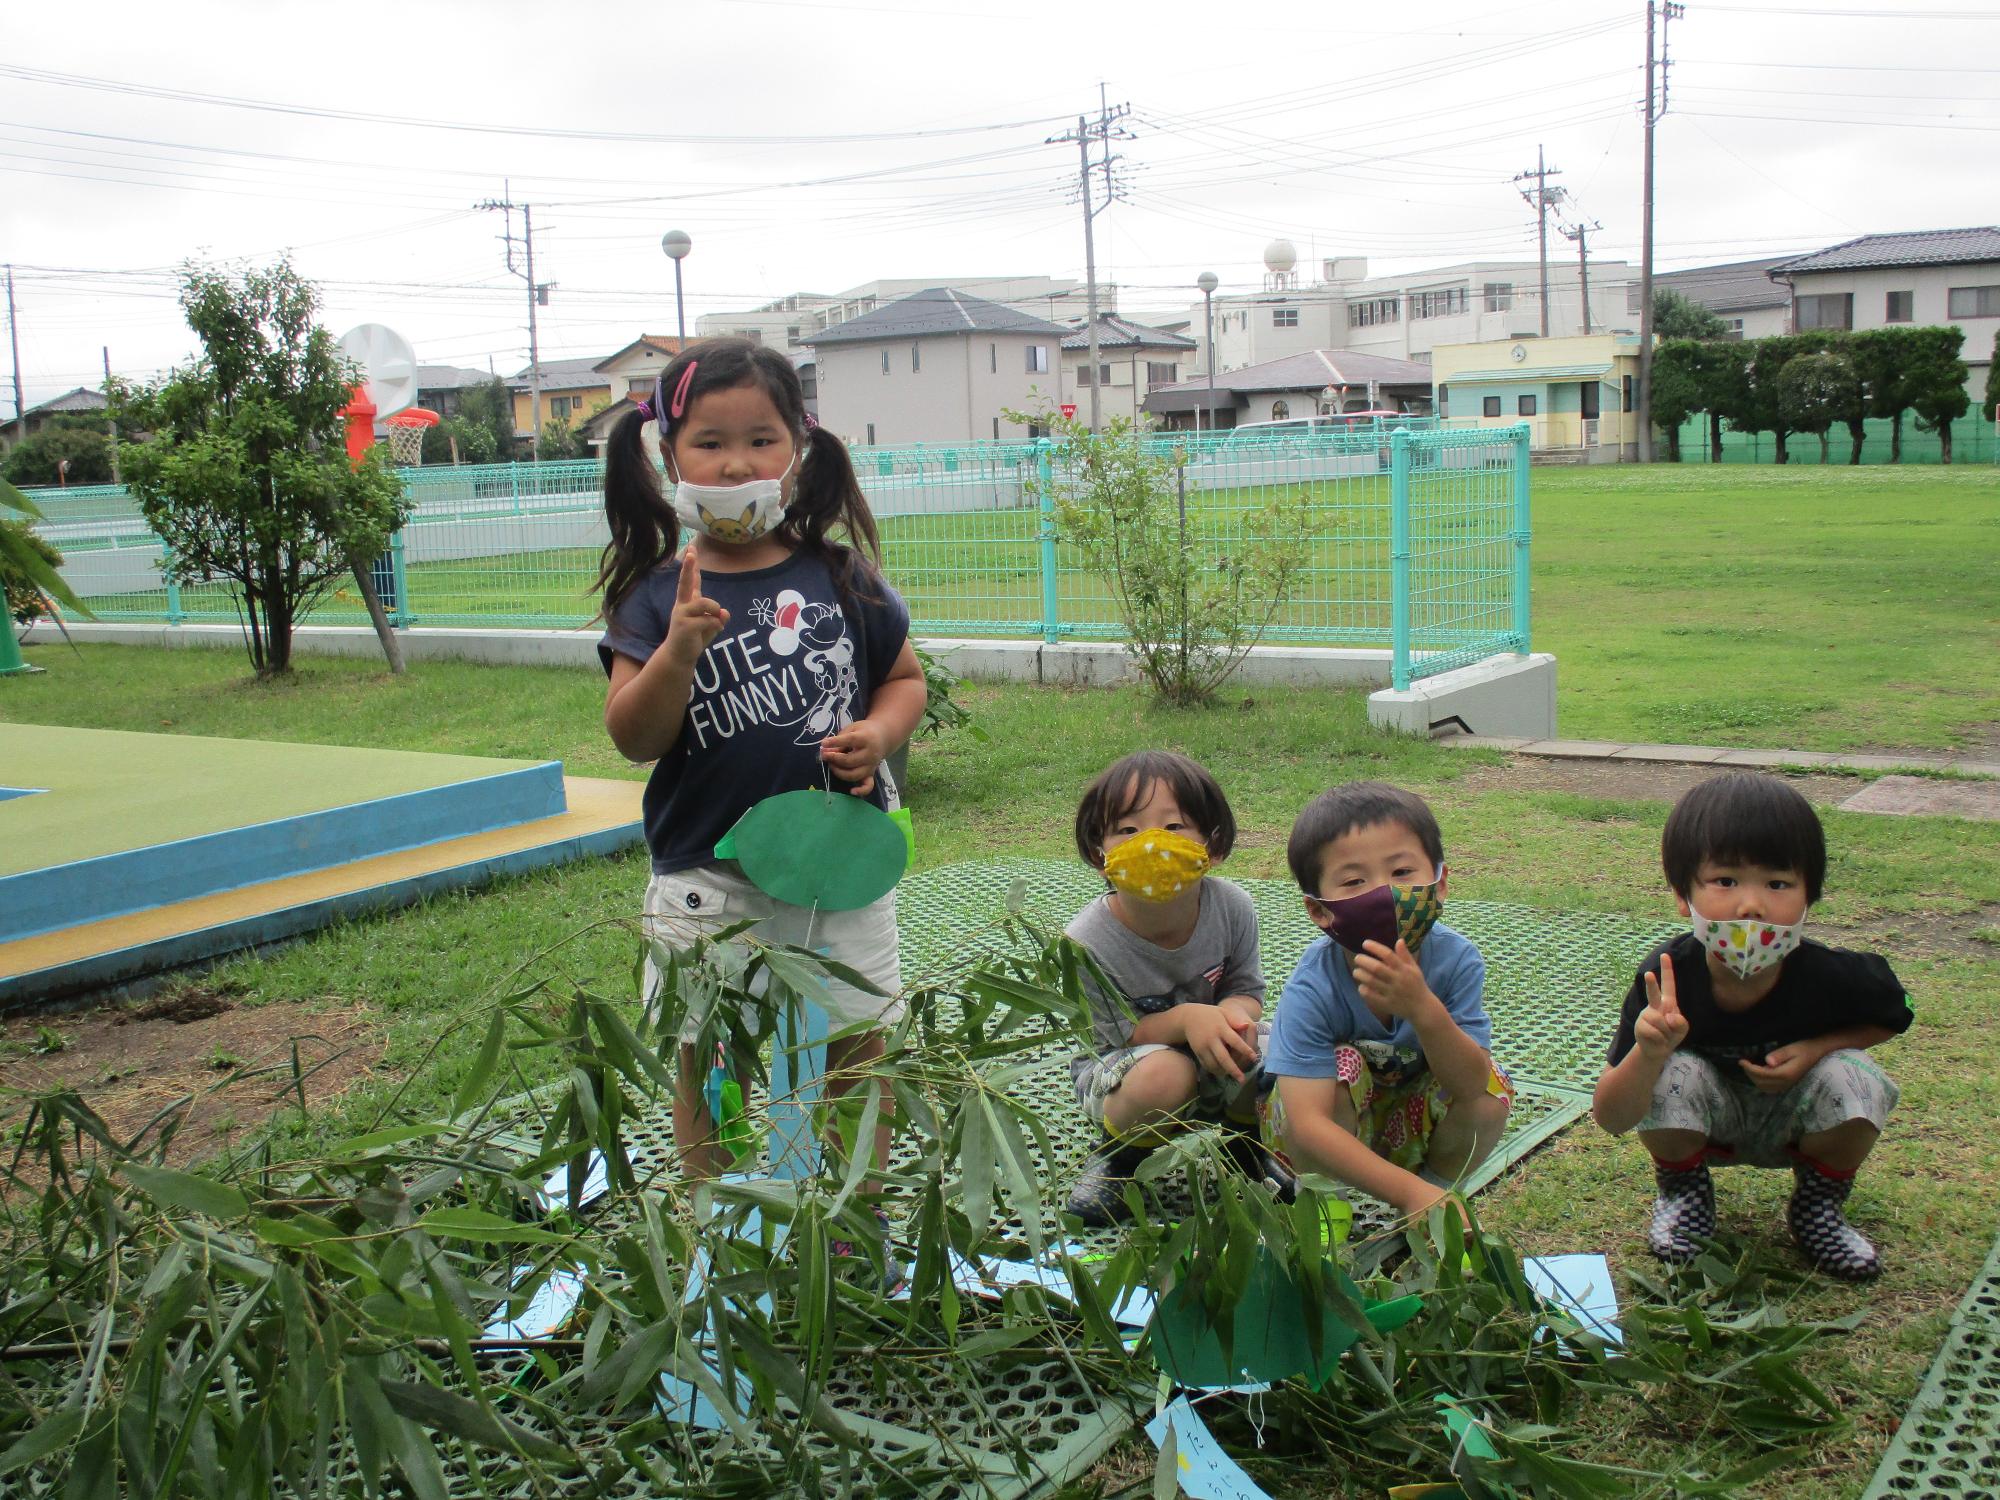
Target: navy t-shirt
{"points": [[795, 664]]}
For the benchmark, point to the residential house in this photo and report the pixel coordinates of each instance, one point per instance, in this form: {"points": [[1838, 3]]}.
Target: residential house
{"points": [[1406, 316], [439, 387], [632, 370], [792, 321], [1132, 360], [639, 376], [79, 402], [1740, 293], [937, 366], [1926, 277], [1575, 394], [1298, 385], [571, 390]]}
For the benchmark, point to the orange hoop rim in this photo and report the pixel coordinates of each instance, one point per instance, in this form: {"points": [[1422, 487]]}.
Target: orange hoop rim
{"points": [[415, 416]]}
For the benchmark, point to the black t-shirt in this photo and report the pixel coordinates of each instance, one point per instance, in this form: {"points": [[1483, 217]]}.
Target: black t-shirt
{"points": [[795, 664], [1819, 990]]}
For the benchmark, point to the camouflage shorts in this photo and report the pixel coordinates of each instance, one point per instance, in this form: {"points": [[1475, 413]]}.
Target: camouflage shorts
{"points": [[1215, 1096], [1749, 1127]]}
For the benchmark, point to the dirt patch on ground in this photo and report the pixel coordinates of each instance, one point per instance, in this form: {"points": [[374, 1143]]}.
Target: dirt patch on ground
{"points": [[1631, 780], [129, 1063], [1980, 742], [1926, 935]]}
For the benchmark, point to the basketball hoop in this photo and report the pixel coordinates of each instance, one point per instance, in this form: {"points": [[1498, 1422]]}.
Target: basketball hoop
{"points": [[406, 436]]}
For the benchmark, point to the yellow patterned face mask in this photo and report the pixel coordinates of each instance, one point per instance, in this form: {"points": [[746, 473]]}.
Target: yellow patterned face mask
{"points": [[1155, 865]]}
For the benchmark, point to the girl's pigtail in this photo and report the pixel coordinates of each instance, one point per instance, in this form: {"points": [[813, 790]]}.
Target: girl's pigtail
{"points": [[828, 495], [643, 528]]}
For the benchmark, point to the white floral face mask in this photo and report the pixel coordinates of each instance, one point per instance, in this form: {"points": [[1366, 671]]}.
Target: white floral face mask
{"points": [[1746, 949]]}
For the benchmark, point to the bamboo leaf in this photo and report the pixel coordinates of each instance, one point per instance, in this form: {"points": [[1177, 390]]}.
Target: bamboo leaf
{"points": [[483, 1228], [184, 1190], [472, 1087], [43, 1439], [449, 1412]]}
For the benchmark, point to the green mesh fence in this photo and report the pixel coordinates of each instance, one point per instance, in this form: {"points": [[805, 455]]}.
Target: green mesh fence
{"points": [[1428, 558], [1949, 1443], [1973, 441]]}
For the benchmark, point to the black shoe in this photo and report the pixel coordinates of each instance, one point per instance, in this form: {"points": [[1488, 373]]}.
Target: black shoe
{"points": [[1820, 1225], [1250, 1158], [1683, 1213], [1099, 1195]]}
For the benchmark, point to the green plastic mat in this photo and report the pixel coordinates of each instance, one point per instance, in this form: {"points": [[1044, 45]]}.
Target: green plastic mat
{"points": [[1949, 1443]]}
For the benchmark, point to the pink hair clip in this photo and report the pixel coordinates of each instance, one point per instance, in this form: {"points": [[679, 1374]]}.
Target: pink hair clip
{"points": [[679, 408]]}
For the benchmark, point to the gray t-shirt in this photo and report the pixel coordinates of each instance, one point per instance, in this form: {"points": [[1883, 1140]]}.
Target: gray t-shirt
{"points": [[1218, 960]]}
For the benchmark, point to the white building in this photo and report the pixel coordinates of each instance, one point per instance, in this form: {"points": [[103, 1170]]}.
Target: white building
{"points": [[1741, 293], [1132, 360], [1926, 278], [792, 321], [938, 366], [1407, 315], [1311, 383]]}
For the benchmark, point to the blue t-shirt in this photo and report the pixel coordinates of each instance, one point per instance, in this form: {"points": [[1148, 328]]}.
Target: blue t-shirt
{"points": [[1321, 1009], [795, 664]]}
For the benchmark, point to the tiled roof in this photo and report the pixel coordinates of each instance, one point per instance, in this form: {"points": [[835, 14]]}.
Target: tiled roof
{"points": [[564, 375], [1114, 332], [933, 313], [80, 399], [1919, 247], [1736, 287], [449, 377]]}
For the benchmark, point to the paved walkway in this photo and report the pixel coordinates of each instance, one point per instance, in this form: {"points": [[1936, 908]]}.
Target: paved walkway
{"points": [[1715, 755]]}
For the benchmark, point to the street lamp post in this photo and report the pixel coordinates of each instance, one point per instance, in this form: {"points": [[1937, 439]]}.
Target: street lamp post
{"points": [[1208, 283], [676, 243]]}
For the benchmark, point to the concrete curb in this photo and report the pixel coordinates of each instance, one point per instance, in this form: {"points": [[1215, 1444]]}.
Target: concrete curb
{"points": [[1716, 755]]}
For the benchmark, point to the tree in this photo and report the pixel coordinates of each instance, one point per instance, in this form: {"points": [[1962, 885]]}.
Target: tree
{"points": [[1817, 390], [560, 440], [1677, 389], [482, 427], [1678, 317], [1725, 383], [1993, 382], [243, 475], [28, 576], [1937, 382], [78, 441], [1192, 605], [459, 440]]}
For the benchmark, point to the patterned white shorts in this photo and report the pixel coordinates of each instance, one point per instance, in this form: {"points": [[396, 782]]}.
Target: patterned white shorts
{"points": [[1746, 1126]]}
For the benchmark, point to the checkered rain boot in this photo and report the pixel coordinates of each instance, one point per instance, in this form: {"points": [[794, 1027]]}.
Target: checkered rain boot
{"points": [[1684, 1212], [1833, 1245]]}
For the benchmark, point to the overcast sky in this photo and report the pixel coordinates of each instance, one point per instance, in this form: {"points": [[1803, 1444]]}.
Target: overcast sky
{"points": [[809, 145]]}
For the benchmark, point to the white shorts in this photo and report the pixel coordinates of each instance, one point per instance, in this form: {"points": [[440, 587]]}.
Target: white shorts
{"points": [[689, 903]]}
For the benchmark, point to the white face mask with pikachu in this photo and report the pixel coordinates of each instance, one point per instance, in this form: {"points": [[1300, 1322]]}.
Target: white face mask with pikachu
{"points": [[733, 512]]}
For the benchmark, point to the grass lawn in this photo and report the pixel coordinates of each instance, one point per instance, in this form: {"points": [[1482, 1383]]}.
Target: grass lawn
{"points": [[1926, 891]]}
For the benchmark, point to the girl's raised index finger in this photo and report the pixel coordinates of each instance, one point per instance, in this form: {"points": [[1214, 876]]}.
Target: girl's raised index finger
{"points": [[690, 579]]}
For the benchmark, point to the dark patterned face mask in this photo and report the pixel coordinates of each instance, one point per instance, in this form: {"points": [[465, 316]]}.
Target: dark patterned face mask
{"points": [[1383, 915]]}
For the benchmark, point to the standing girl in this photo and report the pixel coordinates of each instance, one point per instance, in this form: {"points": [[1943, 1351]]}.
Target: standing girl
{"points": [[766, 657]]}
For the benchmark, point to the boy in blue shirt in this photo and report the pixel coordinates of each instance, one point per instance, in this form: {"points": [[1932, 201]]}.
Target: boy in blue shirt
{"points": [[1381, 1046]]}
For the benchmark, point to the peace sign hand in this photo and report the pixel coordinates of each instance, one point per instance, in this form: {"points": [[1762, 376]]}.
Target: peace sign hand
{"points": [[1660, 1027], [697, 619]]}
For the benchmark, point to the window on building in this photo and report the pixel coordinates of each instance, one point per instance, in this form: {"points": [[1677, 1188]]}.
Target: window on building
{"points": [[1441, 303], [1161, 373], [885, 361], [1489, 406], [1590, 393], [1829, 310], [1038, 359], [1444, 400], [1376, 310], [1734, 327], [871, 434], [1284, 317], [1897, 307], [1972, 302], [1083, 375], [1035, 430], [1280, 410], [996, 429], [1499, 296], [916, 358], [1633, 302], [1525, 405], [561, 406], [1625, 400], [792, 334]]}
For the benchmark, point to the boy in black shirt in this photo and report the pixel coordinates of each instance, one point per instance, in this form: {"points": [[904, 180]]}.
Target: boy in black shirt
{"points": [[1742, 1042]]}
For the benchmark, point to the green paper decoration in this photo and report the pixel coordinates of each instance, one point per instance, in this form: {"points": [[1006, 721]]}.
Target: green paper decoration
{"points": [[1270, 1321], [830, 850]]}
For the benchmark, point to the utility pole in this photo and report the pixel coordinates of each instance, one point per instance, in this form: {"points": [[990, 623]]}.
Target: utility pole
{"points": [[111, 421], [1581, 234], [1542, 198], [1669, 11], [14, 337], [1086, 131], [538, 295]]}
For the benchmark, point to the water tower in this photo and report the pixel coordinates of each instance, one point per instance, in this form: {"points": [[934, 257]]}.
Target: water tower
{"points": [[1280, 257]]}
